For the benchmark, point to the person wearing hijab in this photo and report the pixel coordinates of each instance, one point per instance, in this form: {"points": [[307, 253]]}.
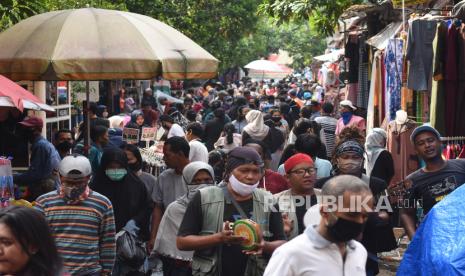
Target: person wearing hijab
{"points": [[128, 195], [137, 122], [135, 164], [102, 111], [115, 180], [196, 175], [255, 128], [115, 132], [379, 162], [244, 169]]}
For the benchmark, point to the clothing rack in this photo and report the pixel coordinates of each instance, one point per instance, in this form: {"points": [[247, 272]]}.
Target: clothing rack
{"points": [[453, 138]]}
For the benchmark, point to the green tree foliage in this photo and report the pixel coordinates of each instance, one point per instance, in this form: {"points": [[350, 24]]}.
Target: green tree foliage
{"points": [[230, 30], [13, 11], [322, 13], [219, 26], [54, 5]]}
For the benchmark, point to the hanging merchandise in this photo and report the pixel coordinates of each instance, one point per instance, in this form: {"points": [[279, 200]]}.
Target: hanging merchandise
{"points": [[460, 99], [451, 78], [420, 53], [453, 147], [393, 61], [400, 147], [438, 103], [363, 83]]}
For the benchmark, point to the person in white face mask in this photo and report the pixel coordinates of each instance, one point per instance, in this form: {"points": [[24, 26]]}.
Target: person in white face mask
{"points": [[378, 234], [206, 226], [196, 175]]}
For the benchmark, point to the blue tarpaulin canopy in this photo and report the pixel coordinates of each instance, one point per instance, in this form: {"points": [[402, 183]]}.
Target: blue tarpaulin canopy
{"points": [[438, 247]]}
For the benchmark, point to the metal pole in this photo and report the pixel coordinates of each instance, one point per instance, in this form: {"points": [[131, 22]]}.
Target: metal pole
{"points": [[87, 137]]}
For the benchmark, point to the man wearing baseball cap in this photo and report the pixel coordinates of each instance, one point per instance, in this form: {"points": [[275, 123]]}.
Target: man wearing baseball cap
{"points": [[41, 175], [81, 220], [301, 174], [432, 183], [348, 118]]}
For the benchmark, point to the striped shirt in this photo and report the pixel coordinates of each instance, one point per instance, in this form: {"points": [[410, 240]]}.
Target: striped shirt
{"points": [[84, 233], [328, 133]]}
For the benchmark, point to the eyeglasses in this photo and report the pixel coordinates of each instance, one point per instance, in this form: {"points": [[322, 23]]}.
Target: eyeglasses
{"points": [[301, 172]]}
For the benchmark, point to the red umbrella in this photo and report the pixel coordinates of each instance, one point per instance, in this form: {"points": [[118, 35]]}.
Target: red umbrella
{"points": [[16, 93]]}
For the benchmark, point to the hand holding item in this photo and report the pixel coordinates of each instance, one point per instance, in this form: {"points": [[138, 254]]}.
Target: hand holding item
{"points": [[253, 242], [229, 237], [288, 224]]}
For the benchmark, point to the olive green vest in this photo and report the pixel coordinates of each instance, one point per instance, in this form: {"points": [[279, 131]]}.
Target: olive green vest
{"points": [[208, 261]]}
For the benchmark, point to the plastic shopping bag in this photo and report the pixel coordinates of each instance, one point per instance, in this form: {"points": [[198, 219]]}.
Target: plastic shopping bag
{"points": [[130, 249]]}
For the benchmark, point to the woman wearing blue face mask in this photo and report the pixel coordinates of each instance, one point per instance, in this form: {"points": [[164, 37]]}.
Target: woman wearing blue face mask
{"points": [[125, 190]]}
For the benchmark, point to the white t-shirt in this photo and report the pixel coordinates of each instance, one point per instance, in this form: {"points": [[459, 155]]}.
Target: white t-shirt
{"points": [[309, 254], [176, 130], [198, 151]]}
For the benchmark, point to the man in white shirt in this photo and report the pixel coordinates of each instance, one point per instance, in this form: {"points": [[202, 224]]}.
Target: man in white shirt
{"points": [[172, 128], [329, 248], [198, 151]]}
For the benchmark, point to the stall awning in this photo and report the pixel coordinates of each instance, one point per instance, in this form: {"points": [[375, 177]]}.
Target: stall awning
{"points": [[331, 57], [381, 39]]}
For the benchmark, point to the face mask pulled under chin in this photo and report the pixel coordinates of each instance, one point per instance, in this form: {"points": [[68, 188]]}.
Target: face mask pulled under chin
{"points": [[242, 188], [349, 166]]}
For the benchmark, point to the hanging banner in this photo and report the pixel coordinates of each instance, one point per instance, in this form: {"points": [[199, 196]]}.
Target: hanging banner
{"points": [[398, 3], [148, 134], [131, 135]]}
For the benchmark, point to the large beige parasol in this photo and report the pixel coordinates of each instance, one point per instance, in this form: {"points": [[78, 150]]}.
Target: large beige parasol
{"points": [[99, 44]]}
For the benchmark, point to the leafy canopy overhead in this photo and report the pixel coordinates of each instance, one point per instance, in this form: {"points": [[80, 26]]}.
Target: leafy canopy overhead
{"points": [[323, 14], [231, 30]]}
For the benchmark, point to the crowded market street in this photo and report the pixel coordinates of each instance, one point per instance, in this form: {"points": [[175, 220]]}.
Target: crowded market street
{"points": [[249, 137]]}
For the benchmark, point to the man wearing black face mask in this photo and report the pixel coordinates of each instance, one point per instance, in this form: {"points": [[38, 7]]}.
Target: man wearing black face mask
{"points": [[329, 248], [63, 142], [377, 235], [41, 176]]}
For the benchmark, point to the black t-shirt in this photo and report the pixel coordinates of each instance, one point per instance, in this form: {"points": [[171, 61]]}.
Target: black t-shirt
{"points": [[233, 260], [431, 187], [377, 185], [301, 210]]}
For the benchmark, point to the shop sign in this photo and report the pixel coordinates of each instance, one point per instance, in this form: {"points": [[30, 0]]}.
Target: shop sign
{"points": [[131, 135], [148, 133]]}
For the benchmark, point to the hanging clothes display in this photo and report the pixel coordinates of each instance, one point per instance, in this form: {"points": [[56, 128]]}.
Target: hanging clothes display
{"points": [[451, 78], [363, 83], [437, 110], [420, 53], [401, 149], [352, 55], [393, 61], [376, 88], [460, 98]]}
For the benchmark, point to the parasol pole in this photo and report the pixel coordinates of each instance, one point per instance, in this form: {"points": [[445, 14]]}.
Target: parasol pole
{"points": [[87, 137]]}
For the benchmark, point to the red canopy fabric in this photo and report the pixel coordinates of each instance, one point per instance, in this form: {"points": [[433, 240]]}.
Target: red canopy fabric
{"points": [[16, 93]]}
